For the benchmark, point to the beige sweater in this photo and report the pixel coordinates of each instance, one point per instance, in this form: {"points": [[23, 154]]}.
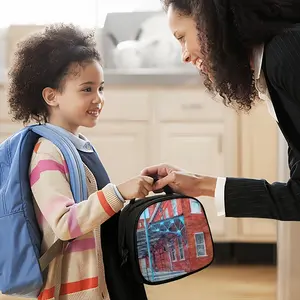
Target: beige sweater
{"points": [[82, 270]]}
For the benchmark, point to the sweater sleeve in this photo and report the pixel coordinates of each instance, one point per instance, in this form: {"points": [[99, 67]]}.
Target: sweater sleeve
{"points": [[50, 186]]}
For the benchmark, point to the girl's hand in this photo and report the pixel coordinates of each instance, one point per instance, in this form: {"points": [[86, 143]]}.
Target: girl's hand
{"points": [[138, 187]]}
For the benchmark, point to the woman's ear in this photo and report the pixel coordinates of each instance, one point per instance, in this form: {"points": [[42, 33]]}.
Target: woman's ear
{"points": [[49, 95]]}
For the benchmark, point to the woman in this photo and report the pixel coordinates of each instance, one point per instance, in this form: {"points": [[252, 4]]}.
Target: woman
{"points": [[245, 49]]}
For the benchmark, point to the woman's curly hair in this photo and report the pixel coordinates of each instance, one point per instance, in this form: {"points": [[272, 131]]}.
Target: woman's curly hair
{"points": [[43, 60], [228, 32]]}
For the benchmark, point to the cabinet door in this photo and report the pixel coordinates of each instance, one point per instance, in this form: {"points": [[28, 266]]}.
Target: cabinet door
{"points": [[259, 133], [197, 147], [122, 147]]}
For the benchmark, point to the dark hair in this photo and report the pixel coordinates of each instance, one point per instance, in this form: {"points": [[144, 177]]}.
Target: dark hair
{"points": [[44, 60], [228, 31]]}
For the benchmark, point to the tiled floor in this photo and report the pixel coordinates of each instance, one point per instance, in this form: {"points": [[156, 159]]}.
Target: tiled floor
{"points": [[221, 283]]}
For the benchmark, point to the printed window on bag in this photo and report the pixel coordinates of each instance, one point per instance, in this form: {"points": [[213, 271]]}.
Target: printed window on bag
{"points": [[173, 253], [195, 207], [181, 249], [200, 244]]}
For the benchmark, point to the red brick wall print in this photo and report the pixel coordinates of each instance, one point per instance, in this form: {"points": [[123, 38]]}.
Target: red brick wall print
{"points": [[173, 239]]}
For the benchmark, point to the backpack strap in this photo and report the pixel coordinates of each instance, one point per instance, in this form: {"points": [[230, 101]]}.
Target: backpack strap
{"points": [[77, 181], [50, 254], [72, 157]]}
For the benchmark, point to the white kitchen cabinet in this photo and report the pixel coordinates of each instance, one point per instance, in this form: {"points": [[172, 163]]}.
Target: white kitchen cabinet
{"points": [[122, 148], [198, 134], [197, 147], [186, 105], [128, 105]]}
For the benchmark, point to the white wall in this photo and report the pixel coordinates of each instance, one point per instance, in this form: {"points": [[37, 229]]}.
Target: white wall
{"points": [[89, 13]]}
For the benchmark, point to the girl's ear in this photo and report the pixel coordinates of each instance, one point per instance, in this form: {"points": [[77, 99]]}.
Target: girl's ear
{"points": [[49, 95]]}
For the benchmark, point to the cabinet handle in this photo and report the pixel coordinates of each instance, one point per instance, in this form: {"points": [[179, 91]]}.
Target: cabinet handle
{"points": [[191, 106]]}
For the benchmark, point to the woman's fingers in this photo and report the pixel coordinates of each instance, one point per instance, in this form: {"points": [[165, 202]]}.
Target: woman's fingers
{"points": [[161, 183], [159, 171], [150, 171]]}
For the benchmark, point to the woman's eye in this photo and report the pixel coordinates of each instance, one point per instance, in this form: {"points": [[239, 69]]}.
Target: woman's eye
{"points": [[101, 89]]}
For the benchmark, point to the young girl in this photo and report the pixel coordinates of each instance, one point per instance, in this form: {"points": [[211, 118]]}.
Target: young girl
{"points": [[57, 79]]}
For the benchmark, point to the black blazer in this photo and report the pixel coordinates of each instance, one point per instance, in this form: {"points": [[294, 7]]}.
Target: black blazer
{"points": [[259, 198]]}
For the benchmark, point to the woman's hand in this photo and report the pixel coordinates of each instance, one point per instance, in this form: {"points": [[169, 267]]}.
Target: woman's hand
{"points": [[181, 181]]}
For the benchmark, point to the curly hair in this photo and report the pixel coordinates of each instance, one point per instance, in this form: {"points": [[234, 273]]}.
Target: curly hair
{"points": [[228, 32], [43, 60]]}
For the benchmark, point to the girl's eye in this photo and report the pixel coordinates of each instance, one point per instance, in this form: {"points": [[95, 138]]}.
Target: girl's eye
{"points": [[101, 89], [88, 90]]}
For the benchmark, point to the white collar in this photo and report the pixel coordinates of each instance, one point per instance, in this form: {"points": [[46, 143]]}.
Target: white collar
{"points": [[260, 80], [80, 142], [258, 54]]}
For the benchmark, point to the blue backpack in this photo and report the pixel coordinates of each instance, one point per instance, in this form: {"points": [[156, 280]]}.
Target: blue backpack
{"points": [[21, 264]]}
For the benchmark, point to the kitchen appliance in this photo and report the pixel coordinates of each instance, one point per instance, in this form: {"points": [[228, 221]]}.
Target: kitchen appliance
{"points": [[139, 40]]}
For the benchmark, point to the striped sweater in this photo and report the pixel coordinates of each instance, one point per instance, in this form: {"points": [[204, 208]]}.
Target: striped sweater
{"points": [[82, 270]]}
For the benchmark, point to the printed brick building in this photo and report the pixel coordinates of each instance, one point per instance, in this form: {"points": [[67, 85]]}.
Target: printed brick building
{"points": [[178, 237]]}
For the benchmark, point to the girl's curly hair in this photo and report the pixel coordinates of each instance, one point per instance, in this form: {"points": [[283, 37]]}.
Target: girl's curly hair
{"points": [[43, 60], [228, 32]]}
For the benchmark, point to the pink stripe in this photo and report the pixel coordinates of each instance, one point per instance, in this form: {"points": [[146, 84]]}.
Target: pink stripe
{"points": [[81, 245], [74, 227], [45, 165], [54, 206], [65, 167]]}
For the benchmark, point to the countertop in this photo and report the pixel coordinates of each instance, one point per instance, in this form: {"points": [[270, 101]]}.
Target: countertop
{"points": [[157, 77]]}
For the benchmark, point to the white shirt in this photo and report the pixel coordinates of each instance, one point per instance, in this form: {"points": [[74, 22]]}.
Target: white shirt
{"points": [[260, 84]]}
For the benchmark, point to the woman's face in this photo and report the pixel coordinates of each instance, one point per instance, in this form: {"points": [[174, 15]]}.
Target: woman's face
{"points": [[185, 31]]}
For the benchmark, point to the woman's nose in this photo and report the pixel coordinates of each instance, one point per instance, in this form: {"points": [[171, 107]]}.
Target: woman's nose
{"points": [[186, 57]]}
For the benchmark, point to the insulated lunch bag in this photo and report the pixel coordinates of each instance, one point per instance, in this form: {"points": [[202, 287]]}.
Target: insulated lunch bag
{"points": [[165, 237]]}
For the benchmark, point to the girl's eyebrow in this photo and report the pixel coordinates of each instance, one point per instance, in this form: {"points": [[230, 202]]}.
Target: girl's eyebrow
{"points": [[91, 83], [88, 82]]}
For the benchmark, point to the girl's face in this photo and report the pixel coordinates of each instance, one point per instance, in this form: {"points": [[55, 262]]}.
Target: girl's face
{"points": [[185, 31], [82, 98]]}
